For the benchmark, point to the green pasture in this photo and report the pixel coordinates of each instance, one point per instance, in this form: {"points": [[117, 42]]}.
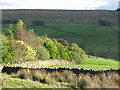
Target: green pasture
{"points": [[92, 37], [89, 36], [92, 63]]}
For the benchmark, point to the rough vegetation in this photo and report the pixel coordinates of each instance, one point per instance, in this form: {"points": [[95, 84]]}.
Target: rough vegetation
{"points": [[24, 48], [69, 79], [29, 46], [77, 26]]}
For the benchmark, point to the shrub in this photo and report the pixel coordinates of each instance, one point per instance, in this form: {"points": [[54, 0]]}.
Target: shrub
{"points": [[23, 51], [7, 50], [52, 48], [20, 33], [57, 50], [82, 83], [10, 32], [63, 52], [63, 42], [42, 53], [77, 53], [24, 74], [29, 37]]}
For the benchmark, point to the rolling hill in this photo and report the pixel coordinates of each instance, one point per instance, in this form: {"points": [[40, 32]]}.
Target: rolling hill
{"points": [[79, 26]]}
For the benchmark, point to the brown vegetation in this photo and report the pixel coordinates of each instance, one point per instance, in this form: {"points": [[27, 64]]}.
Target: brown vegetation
{"points": [[67, 78]]}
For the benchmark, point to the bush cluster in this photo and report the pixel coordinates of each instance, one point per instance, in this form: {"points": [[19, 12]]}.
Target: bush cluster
{"points": [[7, 50], [23, 51], [77, 53], [30, 46], [52, 48], [42, 53]]}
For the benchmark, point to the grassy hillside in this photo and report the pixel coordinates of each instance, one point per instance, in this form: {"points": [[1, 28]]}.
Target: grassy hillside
{"points": [[22, 47], [92, 37], [92, 63], [80, 27], [10, 81], [60, 16]]}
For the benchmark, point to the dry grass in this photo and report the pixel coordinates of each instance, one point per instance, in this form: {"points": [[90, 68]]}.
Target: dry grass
{"points": [[39, 63], [69, 79], [103, 80]]}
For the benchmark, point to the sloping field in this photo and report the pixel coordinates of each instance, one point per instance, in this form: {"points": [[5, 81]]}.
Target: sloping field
{"points": [[79, 27], [13, 82], [93, 38], [60, 16]]}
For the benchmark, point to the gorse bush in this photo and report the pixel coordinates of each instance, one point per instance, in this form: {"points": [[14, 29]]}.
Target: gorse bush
{"points": [[23, 51]]}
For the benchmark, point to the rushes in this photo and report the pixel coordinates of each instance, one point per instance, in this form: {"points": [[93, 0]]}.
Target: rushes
{"points": [[70, 79], [40, 76]]}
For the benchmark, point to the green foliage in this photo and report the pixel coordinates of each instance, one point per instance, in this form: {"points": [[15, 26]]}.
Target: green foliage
{"points": [[63, 52], [102, 40], [7, 50], [11, 32], [52, 48], [31, 46], [92, 63], [77, 53], [20, 24], [57, 50], [42, 53]]}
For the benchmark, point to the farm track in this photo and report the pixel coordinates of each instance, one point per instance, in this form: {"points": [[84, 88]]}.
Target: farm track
{"points": [[77, 71]]}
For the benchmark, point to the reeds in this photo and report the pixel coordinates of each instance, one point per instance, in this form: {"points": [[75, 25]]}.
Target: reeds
{"points": [[70, 79]]}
